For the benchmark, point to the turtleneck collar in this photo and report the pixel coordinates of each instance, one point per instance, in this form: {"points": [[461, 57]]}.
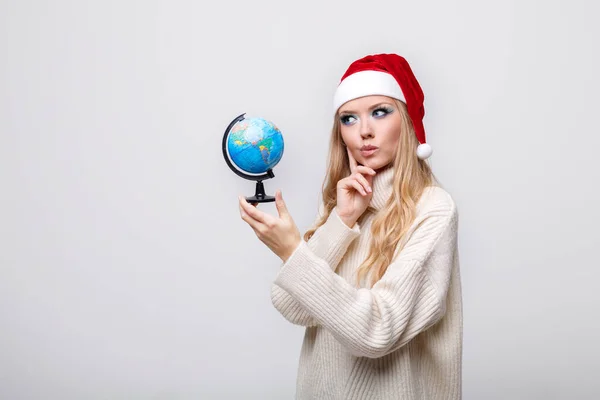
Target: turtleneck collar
{"points": [[382, 187]]}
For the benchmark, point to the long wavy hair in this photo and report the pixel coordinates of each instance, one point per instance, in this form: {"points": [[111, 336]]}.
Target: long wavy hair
{"points": [[391, 223]]}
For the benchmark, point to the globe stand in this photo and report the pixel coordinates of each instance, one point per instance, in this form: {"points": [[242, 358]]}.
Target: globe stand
{"points": [[259, 195]]}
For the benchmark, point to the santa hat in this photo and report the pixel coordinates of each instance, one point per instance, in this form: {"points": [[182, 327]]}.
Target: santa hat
{"points": [[387, 75]]}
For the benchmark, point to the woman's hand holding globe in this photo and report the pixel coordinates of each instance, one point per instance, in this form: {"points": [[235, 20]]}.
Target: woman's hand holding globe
{"points": [[280, 234]]}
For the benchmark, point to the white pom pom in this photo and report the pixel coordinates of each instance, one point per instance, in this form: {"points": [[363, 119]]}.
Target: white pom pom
{"points": [[424, 151]]}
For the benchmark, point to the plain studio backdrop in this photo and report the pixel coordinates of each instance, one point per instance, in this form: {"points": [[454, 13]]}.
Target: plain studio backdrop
{"points": [[126, 271]]}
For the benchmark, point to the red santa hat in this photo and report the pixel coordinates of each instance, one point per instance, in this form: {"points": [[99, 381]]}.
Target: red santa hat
{"points": [[386, 75]]}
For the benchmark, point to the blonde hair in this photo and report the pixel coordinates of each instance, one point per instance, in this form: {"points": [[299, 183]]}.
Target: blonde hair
{"points": [[390, 224]]}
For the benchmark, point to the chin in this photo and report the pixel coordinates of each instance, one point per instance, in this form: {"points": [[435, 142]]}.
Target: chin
{"points": [[373, 163]]}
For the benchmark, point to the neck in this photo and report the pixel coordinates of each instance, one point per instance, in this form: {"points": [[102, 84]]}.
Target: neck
{"points": [[382, 187]]}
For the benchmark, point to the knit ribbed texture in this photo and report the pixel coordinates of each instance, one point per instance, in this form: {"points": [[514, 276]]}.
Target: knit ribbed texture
{"points": [[400, 339]]}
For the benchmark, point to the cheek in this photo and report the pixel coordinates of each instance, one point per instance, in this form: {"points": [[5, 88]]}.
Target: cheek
{"points": [[395, 142], [393, 136], [346, 135], [392, 141]]}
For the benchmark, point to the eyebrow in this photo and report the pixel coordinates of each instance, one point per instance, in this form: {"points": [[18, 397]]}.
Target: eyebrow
{"points": [[370, 108]]}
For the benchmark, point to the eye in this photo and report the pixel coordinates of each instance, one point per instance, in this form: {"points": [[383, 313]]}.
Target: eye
{"points": [[381, 112], [347, 119]]}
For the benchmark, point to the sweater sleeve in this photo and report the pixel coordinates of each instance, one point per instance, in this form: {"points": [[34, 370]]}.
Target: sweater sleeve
{"points": [[408, 299], [329, 242]]}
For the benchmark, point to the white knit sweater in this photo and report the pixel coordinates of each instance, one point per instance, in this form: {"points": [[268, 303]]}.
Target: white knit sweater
{"points": [[401, 339]]}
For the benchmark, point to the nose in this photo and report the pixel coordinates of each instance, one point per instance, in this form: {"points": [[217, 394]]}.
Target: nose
{"points": [[366, 130]]}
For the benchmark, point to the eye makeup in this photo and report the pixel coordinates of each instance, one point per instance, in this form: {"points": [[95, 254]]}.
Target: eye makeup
{"points": [[384, 109], [346, 118]]}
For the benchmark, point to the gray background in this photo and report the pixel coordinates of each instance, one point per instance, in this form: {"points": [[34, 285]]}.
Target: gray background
{"points": [[125, 269]]}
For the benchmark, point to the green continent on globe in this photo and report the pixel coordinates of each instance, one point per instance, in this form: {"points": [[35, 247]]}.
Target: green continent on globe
{"points": [[264, 146]]}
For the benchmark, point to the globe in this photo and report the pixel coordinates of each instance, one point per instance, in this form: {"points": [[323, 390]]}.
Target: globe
{"points": [[255, 145], [252, 147]]}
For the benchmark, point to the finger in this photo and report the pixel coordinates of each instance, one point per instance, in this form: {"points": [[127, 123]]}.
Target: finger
{"points": [[348, 183], [254, 224], [255, 213], [363, 181], [359, 188], [365, 170], [259, 228], [254, 203], [351, 161], [252, 211], [242, 211], [280, 204]]}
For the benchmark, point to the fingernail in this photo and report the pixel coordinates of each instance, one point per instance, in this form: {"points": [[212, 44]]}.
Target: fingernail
{"points": [[369, 189]]}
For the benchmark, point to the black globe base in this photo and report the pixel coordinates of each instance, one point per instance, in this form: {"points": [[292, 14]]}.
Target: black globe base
{"points": [[255, 199], [259, 195]]}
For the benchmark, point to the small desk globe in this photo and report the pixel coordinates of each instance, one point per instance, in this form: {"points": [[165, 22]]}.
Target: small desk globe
{"points": [[252, 147]]}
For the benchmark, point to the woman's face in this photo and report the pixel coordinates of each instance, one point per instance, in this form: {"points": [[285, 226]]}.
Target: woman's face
{"points": [[370, 128]]}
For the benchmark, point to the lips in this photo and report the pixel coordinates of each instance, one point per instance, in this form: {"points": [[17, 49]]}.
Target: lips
{"points": [[367, 151]]}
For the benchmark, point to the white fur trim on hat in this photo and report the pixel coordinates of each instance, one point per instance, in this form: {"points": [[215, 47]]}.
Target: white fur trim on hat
{"points": [[365, 83]]}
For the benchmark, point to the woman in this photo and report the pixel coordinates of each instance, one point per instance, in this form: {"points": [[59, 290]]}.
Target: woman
{"points": [[376, 283]]}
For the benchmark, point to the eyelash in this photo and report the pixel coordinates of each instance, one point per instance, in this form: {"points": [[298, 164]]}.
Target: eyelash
{"points": [[386, 110]]}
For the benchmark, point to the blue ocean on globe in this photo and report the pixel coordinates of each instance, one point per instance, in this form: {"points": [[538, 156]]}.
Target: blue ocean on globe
{"points": [[255, 145]]}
